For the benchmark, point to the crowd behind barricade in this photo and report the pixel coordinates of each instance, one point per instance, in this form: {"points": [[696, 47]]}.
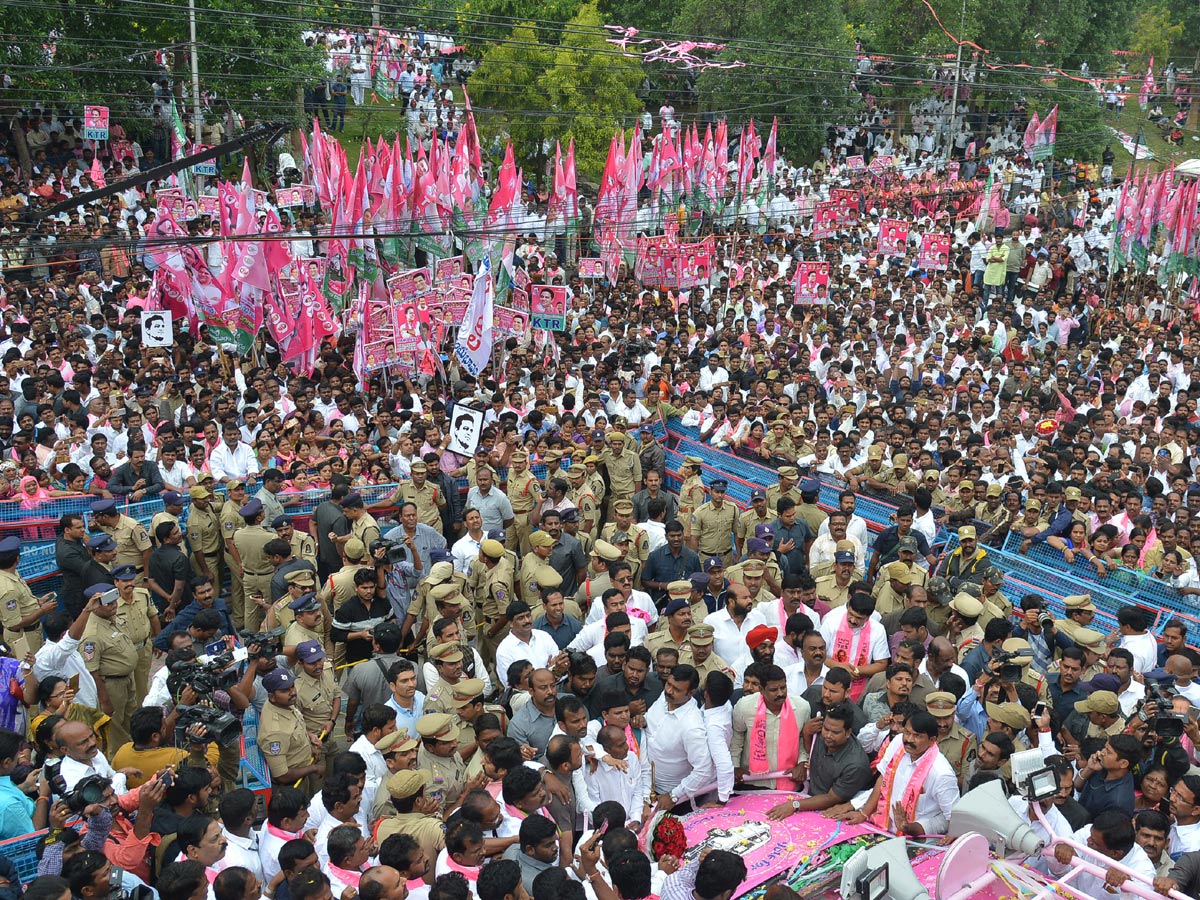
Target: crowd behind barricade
{"points": [[487, 673]]}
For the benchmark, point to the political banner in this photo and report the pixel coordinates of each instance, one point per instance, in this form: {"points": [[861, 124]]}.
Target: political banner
{"points": [[289, 197], [591, 267], [404, 286], [513, 322], [893, 237], [825, 220], [95, 123], [847, 200], [455, 303], [855, 163], [881, 163], [654, 259], [209, 166], [548, 307], [811, 283], [695, 266], [446, 270], [935, 252], [208, 205], [156, 328]]}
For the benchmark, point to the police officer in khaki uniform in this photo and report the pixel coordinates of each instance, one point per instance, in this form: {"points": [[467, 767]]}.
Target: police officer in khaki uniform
{"points": [[995, 604], [965, 632], [758, 550], [231, 523], [714, 524], [1080, 613], [111, 658], [173, 501], [448, 660], [834, 588], [956, 743], [204, 535], [439, 754], [257, 570], [895, 582], [413, 815], [362, 524], [991, 510], [299, 583], [441, 582], [137, 617], [751, 573], [477, 462], [758, 514], [317, 695], [676, 620], [639, 540], [524, 494], [596, 580], [778, 443], [897, 477], [303, 546], [785, 488], [691, 492], [445, 601], [418, 490], [595, 480], [20, 612], [540, 546], [700, 653], [133, 543], [283, 738], [339, 587], [807, 509], [586, 503], [621, 463], [495, 593], [1092, 645], [307, 625]]}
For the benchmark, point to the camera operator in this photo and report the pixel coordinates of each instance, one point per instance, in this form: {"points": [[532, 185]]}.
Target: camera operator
{"points": [[129, 839], [153, 733], [1038, 628], [1159, 729]]}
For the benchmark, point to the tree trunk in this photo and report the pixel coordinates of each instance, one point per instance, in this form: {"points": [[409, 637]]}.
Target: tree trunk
{"points": [[18, 138]]}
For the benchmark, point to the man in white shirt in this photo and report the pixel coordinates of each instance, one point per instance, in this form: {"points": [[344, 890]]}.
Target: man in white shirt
{"points": [[524, 642], [59, 655], [82, 756], [1131, 624], [924, 810], [855, 640], [731, 624], [466, 548], [232, 460], [678, 744], [1109, 838]]}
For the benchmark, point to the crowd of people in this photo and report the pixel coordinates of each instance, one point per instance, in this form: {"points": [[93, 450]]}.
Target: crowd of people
{"points": [[466, 679]]}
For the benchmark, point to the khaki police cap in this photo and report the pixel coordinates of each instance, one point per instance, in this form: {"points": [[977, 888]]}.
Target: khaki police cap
{"points": [[408, 783]]}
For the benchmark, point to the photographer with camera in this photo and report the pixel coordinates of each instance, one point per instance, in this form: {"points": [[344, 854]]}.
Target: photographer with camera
{"points": [[1038, 628], [151, 749]]}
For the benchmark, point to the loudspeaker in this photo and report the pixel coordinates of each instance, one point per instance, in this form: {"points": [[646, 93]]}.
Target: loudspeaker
{"points": [[882, 870], [985, 810]]}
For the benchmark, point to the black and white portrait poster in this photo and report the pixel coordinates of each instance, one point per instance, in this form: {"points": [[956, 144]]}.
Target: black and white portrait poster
{"points": [[466, 425], [156, 328]]}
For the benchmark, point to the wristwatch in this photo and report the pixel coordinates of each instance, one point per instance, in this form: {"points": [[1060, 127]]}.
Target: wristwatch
{"points": [[795, 805]]}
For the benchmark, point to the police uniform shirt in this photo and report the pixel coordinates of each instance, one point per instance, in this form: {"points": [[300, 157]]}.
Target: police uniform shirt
{"points": [[133, 618], [303, 547], [315, 696], [107, 651], [132, 541], [297, 634], [250, 542], [16, 602], [366, 529], [714, 528], [231, 521], [204, 531], [524, 491], [283, 739]]}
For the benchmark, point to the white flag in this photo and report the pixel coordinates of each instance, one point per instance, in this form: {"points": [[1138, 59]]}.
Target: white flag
{"points": [[474, 345]]}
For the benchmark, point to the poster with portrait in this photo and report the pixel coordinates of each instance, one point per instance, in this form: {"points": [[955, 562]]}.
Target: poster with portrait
{"points": [[893, 237], [811, 283], [512, 322], [935, 252], [287, 197], [825, 220], [208, 205], [695, 265], [591, 267], [548, 307], [404, 286], [454, 306], [847, 200], [856, 163], [449, 269], [466, 426], [881, 163], [653, 259], [156, 328], [95, 123]]}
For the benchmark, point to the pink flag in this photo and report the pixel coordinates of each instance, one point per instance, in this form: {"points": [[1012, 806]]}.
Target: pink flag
{"points": [[1031, 134], [572, 189], [1147, 86], [96, 173]]}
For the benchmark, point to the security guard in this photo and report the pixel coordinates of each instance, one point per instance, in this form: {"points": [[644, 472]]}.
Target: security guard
{"points": [[495, 593], [540, 546], [956, 743], [524, 494], [20, 612], [204, 535], [595, 480], [834, 588], [759, 550], [691, 492], [897, 477], [441, 576], [448, 660], [785, 488], [307, 625], [317, 695], [807, 509], [622, 465], [597, 581], [439, 754], [173, 501], [418, 490], [339, 587], [968, 560], [700, 653], [965, 632], [362, 524], [231, 524], [137, 617], [714, 524], [302, 543], [299, 582], [995, 604], [892, 588], [111, 658], [445, 600], [284, 740], [133, 543], [420, 820], [675, 622], [257, 570], [586, 503], [1080, 613], [639, 540], [991, 510]]}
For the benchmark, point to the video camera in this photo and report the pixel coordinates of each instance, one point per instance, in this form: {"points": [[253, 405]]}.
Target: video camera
{"points": [[87, 791], [396, 553], [270, 643], [203, 678], [220, 727], [1167, 722], [1010, 671]]}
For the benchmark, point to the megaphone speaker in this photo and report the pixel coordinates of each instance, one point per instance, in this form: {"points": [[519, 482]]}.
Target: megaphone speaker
{"points": [[985, 810]]}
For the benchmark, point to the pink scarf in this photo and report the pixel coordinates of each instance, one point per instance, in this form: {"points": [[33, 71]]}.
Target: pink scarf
{"points": [[912, 790], [465, 871], [842, 642], [37, 498], [348, 877], [787, 750], [281, 834]]}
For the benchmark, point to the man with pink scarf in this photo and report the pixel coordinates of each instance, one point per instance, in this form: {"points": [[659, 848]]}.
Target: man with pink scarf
{"points": [[767, 736]]}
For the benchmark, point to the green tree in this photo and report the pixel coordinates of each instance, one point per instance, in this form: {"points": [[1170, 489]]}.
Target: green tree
{"points": [[806, 88], [486, 21], [1155, 32], [593, 90]]}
